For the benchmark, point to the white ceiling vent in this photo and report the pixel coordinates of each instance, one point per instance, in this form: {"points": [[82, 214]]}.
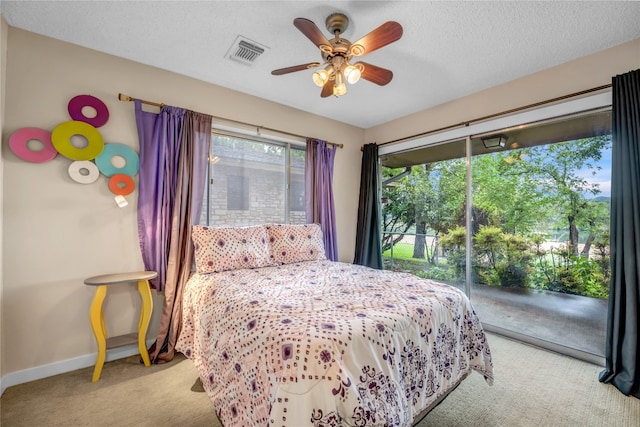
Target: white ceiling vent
{"points": [[245, 51]]}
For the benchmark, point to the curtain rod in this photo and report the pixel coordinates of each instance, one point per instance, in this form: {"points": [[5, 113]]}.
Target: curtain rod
{"points": [[502, 113], [123, 97]]}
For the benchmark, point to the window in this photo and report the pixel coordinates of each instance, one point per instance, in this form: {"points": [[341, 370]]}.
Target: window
{"points": [[252, 181]]}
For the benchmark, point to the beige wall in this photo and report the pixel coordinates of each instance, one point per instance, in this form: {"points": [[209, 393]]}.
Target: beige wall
{"points": [[58, 232], [3, 68], [578, 75]]}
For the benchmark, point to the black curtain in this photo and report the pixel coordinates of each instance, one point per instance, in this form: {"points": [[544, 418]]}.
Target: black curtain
{"points": [[368, 244], [622, 355]]}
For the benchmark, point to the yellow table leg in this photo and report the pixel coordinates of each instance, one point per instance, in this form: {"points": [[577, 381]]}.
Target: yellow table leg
{"points": [[99, 330], [145, 316]]}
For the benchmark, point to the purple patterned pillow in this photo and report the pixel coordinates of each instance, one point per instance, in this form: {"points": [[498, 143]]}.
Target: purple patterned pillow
{"points": [[230, 248], [294, 243]]}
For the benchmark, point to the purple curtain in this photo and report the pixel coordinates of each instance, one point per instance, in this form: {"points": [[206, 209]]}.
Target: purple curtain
{"points": [[158, 135], [174, 147], [319, 192]]}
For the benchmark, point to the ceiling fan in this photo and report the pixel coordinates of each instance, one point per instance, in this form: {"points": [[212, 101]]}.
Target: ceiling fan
{"points": [[337, 52]]}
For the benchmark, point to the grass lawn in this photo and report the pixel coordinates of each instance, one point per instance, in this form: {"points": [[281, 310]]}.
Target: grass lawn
{"points": [[403, 252]]}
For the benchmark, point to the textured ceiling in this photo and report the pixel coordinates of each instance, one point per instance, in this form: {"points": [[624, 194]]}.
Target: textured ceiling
{"points": [[449, 49]]}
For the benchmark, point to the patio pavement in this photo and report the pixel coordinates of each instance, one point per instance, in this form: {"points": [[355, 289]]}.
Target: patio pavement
{"points": [[572, 321]]}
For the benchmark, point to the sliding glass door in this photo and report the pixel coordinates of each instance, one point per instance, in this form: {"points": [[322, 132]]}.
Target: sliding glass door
{"points": [[535, 200]]}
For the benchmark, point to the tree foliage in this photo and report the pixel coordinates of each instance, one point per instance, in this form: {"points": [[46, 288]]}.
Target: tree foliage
{"points": [[427, 199], [554, 176], [519, 196]]}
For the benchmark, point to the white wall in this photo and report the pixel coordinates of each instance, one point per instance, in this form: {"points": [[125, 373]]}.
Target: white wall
{"points": [[58, 232]]}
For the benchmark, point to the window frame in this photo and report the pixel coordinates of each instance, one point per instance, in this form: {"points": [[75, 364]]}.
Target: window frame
{"points": [[467, 135], [478, 129]]}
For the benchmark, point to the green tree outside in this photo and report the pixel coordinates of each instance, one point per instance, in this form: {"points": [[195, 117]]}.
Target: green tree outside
{"points": [[518, 197]]}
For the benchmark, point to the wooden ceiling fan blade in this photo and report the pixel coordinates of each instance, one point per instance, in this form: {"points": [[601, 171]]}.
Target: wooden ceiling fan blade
{"points": [[294, 68], [378, 75], [313, 33], [327, 89], [385, 34]]}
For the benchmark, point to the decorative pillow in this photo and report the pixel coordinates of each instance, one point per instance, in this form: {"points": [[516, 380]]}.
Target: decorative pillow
{"points": [[294, 243], [230, 248]]}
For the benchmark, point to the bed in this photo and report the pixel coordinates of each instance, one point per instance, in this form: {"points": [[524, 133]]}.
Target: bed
{"points": [[283, 337]]}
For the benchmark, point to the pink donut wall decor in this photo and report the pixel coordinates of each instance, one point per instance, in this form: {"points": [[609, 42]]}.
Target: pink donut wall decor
{"points": [[19, 144]]}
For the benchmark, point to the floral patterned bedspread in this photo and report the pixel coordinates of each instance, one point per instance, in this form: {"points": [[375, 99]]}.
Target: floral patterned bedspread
{"points": [[323, 343]]}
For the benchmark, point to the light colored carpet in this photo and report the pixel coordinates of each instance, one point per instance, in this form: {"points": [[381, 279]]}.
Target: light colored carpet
{"points": [[533, 387]]}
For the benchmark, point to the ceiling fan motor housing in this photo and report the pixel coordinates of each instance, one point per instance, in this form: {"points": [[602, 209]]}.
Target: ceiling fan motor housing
{"points": [[339, 46], [337, 22]]}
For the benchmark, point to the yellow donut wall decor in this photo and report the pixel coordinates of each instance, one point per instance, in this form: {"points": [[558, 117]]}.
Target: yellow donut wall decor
{"points": [[61, 139]]}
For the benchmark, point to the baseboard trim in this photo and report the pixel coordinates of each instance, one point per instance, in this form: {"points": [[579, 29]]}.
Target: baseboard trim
{"points": [[547, 345], [63, 366]]}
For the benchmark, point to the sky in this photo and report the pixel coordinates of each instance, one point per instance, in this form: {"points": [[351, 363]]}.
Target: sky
{"points": [[602, 176]]}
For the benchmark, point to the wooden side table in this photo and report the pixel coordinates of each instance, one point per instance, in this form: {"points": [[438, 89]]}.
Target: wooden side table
{"points": [[97, 316]]}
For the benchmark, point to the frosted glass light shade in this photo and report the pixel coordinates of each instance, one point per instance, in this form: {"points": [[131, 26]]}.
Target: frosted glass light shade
{"points": [[340, 89], [320, 77], [352, 74]]}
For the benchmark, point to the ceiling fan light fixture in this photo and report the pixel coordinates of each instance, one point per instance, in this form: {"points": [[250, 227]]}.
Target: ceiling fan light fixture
{"points": [[339, 88], [352, 74], [320, 77]]}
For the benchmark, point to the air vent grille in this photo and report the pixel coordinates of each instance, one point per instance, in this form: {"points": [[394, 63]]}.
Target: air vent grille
{"points": [[245, 51]]}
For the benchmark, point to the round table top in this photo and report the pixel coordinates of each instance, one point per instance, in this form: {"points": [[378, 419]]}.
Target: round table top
{"points": [[110, 279]]}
